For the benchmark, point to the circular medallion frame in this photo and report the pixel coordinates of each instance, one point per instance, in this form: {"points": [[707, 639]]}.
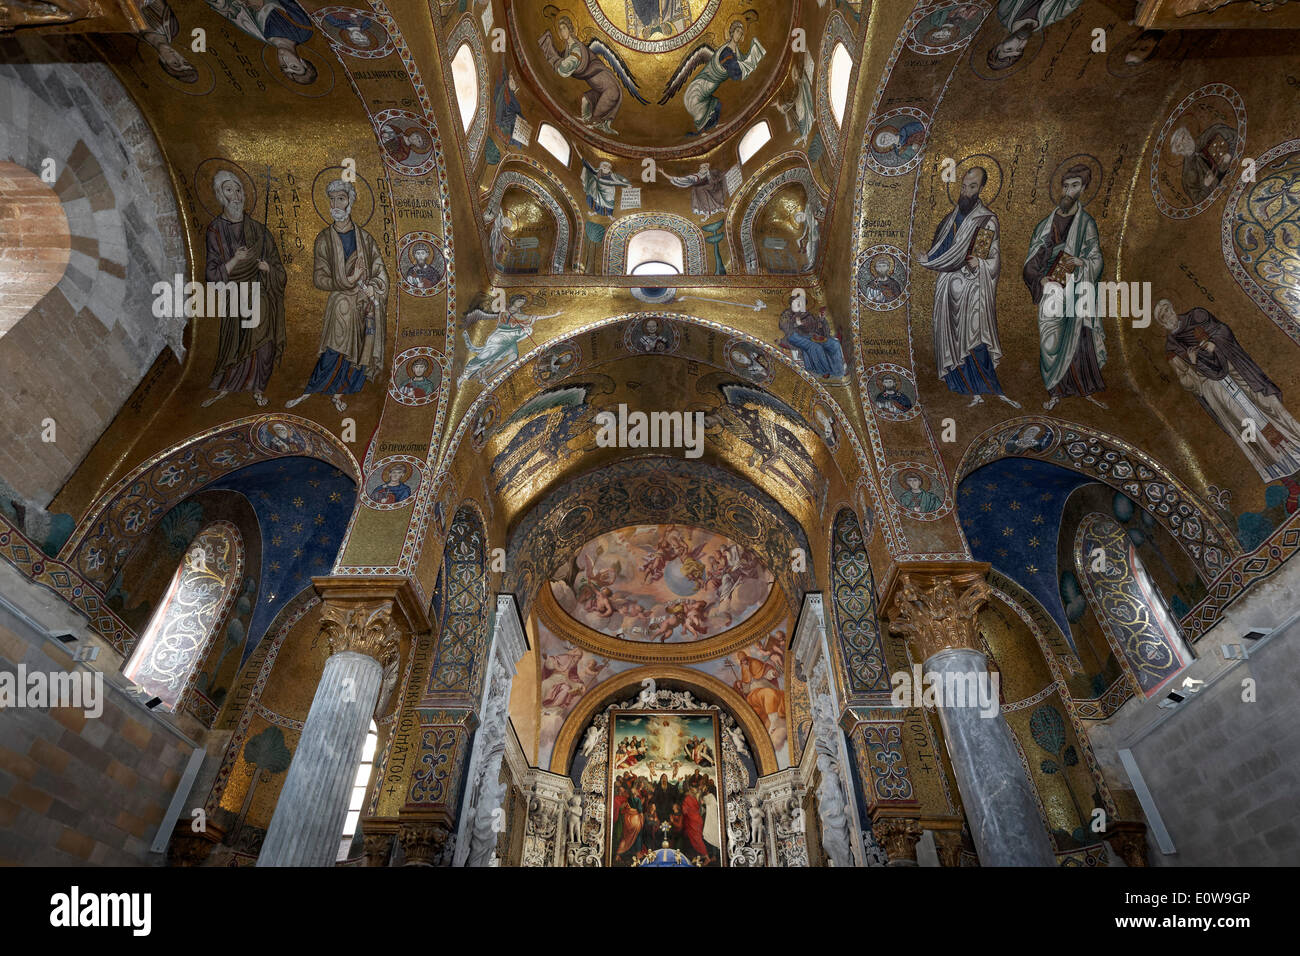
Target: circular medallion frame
{"points": [[1238, 107], [378, 494]]}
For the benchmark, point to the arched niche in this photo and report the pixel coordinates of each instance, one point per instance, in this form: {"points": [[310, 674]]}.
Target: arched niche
{"points": [[766, 207], [854, 615], [116, 524], [619, 236], [468, 32], [515, 192], [140, 589], [628, 683], [189, 615], [1141, 632]]}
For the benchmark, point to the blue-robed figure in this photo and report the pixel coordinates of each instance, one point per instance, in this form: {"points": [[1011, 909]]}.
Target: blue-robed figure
{"points": [[811, 336], [282, 24]]}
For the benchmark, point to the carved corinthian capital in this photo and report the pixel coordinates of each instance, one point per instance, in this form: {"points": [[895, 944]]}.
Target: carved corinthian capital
{"points": [[899, 837], [364, 628], [424, 842], [936, 606]]}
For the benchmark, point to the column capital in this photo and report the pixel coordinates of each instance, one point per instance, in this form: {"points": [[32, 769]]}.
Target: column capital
{"points": [[377, 835], [1128, 838], [899, 837], [424, 840], [935, 604], [369, 615]]}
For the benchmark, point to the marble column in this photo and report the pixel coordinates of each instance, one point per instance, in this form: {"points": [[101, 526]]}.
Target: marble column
{"points": [[936, 606], [364, 644]]}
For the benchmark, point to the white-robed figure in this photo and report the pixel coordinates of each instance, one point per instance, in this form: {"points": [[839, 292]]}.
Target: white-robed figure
{"points": [[502, 345], [719, 65], [712, 820], [1233, 389], [601, 184], [1064, 254], [800, 111], [967, 256]]}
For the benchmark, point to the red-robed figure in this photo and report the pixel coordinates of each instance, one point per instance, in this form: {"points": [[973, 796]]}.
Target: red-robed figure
{"points": [[693, 823]]}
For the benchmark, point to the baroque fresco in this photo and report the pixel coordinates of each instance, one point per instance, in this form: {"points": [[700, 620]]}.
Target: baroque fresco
{"points": [[663, 583]]}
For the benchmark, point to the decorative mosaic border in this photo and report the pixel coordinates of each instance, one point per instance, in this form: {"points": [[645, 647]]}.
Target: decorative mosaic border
{"points": [[1281, 318], [1114, 462], [622, 231], [467, 31], [836, 31], [123, 516]]}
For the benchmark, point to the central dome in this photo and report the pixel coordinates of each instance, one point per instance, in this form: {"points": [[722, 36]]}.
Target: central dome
{"points": [[652, 76], [663, 584]]}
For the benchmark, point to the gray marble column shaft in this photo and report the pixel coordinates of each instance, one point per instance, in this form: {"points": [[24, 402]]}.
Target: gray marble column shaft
{"points": [[997, 796], [307, 826]]}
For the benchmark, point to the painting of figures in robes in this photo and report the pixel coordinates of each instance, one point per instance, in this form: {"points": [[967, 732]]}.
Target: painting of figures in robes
{"points": [[665, 796], [1199, 146], [662, 584], [599, 66], [1065, 253], [347, 265], [715, 67], [283, 25], [757, 674], [241, 249], [1024, 22], [1233, 390], [966, 255]]}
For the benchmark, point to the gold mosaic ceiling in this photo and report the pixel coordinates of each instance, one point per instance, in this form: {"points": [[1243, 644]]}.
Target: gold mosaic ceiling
{"points": [[671, 77]]}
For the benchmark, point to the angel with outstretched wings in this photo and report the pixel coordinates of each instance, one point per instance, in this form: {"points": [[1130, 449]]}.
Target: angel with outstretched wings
{"points": [[596, 64], [716, 67], [502, 345]]}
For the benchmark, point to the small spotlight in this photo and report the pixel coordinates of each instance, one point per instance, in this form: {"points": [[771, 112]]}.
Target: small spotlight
{"points": [[65, 637], [86, 652], [1233, 652], [153, 702], [1254, 634]]}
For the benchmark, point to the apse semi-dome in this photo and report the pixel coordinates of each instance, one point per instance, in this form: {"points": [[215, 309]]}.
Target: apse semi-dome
{"points": [[662, 584]]}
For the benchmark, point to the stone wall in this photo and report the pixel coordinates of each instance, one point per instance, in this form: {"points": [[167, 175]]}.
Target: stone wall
{"points": [[83, 348], [1224, 773], [78, 790]]}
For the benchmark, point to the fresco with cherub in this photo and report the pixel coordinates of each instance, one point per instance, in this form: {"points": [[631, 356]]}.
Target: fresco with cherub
{"points": [[662, 583]]}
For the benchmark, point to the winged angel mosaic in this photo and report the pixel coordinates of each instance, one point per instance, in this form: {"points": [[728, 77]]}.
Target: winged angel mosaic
{"points": [[716, 67], [602, 69]]}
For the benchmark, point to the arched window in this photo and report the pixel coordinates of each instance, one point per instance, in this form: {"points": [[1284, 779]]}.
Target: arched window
{"points": [[655, 252], [841, 69], [755, 138], [359, 791], [197, 599], [553, 141], [464, 74]]}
